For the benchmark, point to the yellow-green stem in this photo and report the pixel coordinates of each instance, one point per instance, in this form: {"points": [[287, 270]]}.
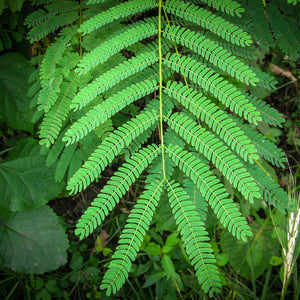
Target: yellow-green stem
{"points": [[80, 35], [160, 87], [175, 46]]}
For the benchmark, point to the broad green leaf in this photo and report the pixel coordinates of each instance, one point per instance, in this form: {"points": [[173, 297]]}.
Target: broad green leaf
{"points": [[25, 182], [143, 268], [43, 294], [222, 259], [171, 243], [14, 104], [168, 265], [163, 217], [153, 278], [33, 241], [76, 261], [152, 249], [172, 239], [52, 286], [252, 258]]}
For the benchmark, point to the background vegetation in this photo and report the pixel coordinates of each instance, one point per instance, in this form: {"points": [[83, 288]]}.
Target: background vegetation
{"points": [[41, 258]]}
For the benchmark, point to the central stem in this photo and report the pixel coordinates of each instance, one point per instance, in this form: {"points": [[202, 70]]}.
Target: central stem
{"points": [[161, 87]]}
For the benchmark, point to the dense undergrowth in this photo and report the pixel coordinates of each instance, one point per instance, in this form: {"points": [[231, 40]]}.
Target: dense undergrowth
{"points": [[41, 257]]}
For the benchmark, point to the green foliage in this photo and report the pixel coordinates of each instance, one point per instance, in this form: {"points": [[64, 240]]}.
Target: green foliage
{"points": [[32, 237], [52, 17], [195, 238], [34, 247], [294, 2], [251, 259], [14, 5], [212, 191], [11, 29], [194, 88], [25, 181], [14, 109], [132, 236], [272, 26]]}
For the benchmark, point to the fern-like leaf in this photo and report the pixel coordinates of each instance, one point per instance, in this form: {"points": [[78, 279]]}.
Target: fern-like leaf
{"points": [[132, 237], [214, 84], [216, 119], [117, 12], [195, 238], [212, 191], [135, 32], [112, 77], [50, 76], [40, 16], [100, 113], [208, 20], [212, 52], [55, 150], [115, 188], [249, 53], [268, 113], [97, 70], [196, 197], [109, 149], [52, 25], [270, 189], [265, 147], [261, 27], [265, 80], [227, 6], [214, 150], [63, 164], [53, 120], [286, 39]]}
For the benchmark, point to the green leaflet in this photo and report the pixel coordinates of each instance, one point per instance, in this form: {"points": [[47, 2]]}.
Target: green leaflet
{"points": [[249, 53], [208, 20], [59, 14], [132, 236], [269, 114], [115, 189], [212, 191], [214, 84], [261, 26], [270, 189], [212, 52], [56, 116], [100, 113], [133, 34], [136, 64], [216, 119], [228, 6], [265, 147], [286, 38], [196, 197], [120, 11], [213, 149], [195, 238], [107, 151]]}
